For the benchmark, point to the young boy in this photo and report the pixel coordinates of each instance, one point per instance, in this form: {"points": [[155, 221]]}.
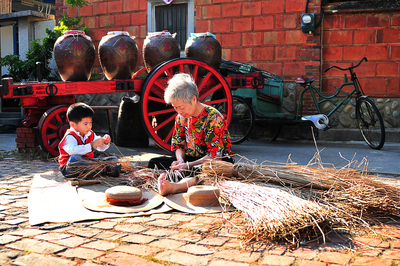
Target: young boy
{"points": [[78, 142]]}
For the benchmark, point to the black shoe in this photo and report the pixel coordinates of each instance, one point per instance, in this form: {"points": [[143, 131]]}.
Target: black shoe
{"points": [[113, 170]]}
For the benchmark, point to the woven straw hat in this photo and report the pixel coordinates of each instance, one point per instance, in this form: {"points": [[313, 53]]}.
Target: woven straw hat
{"points": [[198, 199], [98, 202]]}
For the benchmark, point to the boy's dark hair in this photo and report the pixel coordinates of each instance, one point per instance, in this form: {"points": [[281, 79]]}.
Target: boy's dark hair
{"points": [[77, 111]]}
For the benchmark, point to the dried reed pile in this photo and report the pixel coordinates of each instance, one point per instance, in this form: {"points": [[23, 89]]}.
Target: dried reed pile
{"points": [[132, 173], [142, 178], [272, 213], [349, 197], [368, 199]]}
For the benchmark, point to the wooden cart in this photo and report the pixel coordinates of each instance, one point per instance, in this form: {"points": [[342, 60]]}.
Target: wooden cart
{"points": [[45, 103]]}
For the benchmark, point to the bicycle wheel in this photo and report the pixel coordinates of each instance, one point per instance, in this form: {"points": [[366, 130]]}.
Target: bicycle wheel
{"points": [[242, 121], [370, 122]]}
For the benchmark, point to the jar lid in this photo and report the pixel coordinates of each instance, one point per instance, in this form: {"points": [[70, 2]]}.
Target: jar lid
{"points": [[73, 32], [194, 36], [118, 33], [158, 34]]}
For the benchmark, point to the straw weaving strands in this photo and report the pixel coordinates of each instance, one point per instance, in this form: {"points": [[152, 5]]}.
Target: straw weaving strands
{"points": [[272, 213], [286, 175]]}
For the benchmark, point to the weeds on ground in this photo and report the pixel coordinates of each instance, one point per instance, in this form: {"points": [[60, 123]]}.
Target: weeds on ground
{"points": [[25, 157]]}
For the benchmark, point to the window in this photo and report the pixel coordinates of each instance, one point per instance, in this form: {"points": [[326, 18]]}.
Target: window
{"points": [[173, 19], [157, 7]]}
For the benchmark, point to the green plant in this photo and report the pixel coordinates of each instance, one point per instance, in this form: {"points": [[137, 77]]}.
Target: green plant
{"points": [[67, 23], [42, 52], [38, 52], [16, 66], [74, 3]]}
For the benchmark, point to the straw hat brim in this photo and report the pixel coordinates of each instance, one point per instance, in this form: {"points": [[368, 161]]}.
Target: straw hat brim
{"points": [[99, 203], [178, 202]]}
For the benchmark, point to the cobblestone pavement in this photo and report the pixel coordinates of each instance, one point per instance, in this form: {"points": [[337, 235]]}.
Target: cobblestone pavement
{"points": [[172, 238]]}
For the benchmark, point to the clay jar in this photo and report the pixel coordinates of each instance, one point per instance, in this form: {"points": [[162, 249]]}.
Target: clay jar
{"points": [[118, 55], [205, 47], [159, 47], [74, 54]]}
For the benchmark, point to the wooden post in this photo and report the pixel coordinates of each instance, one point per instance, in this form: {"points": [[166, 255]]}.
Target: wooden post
{"points": [[5, 6]]}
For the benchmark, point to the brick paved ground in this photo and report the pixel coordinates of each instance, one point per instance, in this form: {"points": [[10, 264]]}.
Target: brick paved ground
{"points": [[160, 239]]}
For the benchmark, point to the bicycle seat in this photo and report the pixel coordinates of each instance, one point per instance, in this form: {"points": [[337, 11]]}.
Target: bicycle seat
{"points": [[307, 79]]}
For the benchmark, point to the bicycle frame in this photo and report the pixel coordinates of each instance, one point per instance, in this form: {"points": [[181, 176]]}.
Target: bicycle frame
{"points": [[354, 82]]}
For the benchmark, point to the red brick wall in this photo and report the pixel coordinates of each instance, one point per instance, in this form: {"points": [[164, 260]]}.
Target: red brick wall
{"points": [[267, 34], [349, 36]]}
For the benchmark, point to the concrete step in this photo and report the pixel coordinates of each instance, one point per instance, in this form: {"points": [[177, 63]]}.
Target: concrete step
{"points": [[11, 119], [10, 115], [11, 122], [353, 134], [304, 132]]}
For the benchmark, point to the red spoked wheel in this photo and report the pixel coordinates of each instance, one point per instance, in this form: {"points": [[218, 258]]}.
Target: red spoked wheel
{"points": [[158, 117], [52, 127]]}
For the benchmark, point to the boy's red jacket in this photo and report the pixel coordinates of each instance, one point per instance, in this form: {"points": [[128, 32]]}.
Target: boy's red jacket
{"points": [[63, 157]]}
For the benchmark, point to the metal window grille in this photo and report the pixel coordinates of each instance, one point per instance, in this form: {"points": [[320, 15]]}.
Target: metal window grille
{"points": [[174, 19]]}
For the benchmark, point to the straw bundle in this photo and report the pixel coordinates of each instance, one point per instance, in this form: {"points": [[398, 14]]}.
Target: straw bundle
{"points": [[274, 214], [368, 199], [286, 175], [349, 197]]}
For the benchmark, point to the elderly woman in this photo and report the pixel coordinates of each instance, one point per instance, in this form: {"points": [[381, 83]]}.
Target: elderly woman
{"points": [[201, 133]]}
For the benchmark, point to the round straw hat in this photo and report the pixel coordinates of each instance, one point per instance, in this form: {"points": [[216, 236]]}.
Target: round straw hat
{"points": [[99, 201], [198, 199], [123, 193]]}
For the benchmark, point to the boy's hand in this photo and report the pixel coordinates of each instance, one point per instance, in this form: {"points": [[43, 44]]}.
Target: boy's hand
{"points": [[107, 139], [97, 143]]}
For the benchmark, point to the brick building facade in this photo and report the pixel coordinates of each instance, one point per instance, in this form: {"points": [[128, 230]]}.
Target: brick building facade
{"points": [[267, 34]]}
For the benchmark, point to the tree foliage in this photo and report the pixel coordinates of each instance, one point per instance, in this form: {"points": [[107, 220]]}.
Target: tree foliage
{"points": [[75, 3], [68, 23]]}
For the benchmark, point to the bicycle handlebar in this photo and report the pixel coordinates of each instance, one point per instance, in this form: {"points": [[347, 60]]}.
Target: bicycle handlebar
{"points": [[344, 69]]}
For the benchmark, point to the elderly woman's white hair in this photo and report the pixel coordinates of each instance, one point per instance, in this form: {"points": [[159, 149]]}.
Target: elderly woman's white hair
{"points": [[181, 87]]}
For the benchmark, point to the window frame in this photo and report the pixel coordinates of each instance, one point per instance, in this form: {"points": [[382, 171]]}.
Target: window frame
{"points": [[151, 15]]}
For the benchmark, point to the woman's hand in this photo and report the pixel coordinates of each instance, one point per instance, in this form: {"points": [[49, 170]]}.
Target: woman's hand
{"points": [[179, 165]]}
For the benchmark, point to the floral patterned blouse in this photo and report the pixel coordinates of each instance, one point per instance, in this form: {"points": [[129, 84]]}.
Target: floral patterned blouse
{"points": [[204, 135]]}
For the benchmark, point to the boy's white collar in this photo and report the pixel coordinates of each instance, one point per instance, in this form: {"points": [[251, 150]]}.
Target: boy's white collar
{"points": [[79, 134]]}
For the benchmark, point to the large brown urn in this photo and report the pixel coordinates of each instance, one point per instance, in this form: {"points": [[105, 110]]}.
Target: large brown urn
{"points": [[159, 47], [118, 54], [204, 46], [74, 54]]}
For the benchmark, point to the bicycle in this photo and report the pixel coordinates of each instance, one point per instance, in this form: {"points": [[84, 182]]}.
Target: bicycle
{"points": [[369, 119], [243, 120]]}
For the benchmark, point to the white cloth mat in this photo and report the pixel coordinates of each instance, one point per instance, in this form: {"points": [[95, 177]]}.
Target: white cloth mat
{"points": [[52, 199]]}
